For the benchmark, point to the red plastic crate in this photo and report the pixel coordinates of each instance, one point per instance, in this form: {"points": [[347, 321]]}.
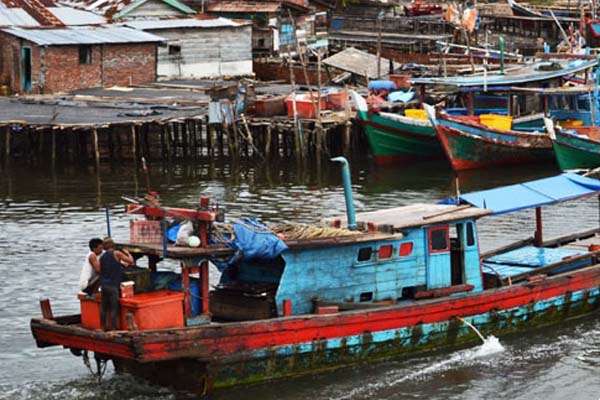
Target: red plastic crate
{"points": [[306, 108], [154, 310], [90, 311]]}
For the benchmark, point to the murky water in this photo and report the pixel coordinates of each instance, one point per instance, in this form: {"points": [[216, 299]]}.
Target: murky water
{"points": [[47, 216]]}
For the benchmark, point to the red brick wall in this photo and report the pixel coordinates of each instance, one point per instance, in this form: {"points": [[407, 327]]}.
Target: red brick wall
{"points": [[57, 68], [63, 73], [129, 64], [9, 61]]}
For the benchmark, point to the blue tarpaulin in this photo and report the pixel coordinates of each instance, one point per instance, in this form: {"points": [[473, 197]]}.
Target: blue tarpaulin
{"points": [[556, 189]]}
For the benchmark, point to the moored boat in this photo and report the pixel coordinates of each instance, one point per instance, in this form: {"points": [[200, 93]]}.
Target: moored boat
{"points": [[469, 144], [576, 148], [394, 282], [395, 138]]}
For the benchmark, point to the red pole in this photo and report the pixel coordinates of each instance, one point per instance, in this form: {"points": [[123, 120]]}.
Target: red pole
{"points": [[287, 307], [185, 286], [204, 281], [538, 238]]}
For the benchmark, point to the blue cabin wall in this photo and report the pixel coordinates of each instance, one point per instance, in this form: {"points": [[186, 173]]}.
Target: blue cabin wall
{"points": [[472, 259], [335, 274]]}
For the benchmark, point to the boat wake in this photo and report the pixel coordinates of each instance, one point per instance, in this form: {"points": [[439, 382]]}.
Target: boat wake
{"points": [[490, 346]]}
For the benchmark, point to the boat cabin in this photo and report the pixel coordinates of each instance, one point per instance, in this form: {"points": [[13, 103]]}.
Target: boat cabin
{"points": [[393, 256]]}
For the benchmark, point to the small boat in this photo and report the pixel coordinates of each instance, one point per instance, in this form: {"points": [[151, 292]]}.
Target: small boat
{"points": [[561, 14], [388, 283], [470, 144], [576, 148], [395, 138]]}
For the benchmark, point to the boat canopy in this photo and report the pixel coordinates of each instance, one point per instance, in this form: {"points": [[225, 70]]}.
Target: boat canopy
{"points": [[556, 189], [529, 73]]}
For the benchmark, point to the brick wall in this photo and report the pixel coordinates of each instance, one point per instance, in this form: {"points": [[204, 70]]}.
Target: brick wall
{"points": [[57, 68], [9, 61], [129, 64], [62, 72]]}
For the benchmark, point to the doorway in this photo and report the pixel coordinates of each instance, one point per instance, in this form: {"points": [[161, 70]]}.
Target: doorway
{"points": [[26, 69], [457, 259]]}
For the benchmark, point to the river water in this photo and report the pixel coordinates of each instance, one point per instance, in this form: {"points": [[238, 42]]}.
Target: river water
{"points": [[47, 216]]}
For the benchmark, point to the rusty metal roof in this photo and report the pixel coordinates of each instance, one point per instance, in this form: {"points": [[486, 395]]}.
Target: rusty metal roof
{"points": [[31, 13], [83, 35], [159, 24], [241, 6], [357, 62]]}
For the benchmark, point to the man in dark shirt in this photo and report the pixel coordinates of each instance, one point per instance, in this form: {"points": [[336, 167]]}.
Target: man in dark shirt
{"points": [[112, 263]]}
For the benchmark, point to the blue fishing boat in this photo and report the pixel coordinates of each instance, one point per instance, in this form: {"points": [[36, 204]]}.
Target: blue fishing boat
{"points": [[361, 287]]}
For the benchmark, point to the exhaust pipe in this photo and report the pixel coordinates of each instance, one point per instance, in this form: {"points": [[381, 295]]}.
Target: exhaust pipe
{"points": [[350, 214]]}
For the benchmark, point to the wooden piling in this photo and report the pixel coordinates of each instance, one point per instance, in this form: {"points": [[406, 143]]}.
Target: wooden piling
{"points": [[346, 138], [268, 142], [133, 144], [7, 134], [96, 148]]}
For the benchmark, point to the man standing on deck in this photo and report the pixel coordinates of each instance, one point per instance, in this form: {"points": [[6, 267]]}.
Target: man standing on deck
{"points": [[111, 276]]}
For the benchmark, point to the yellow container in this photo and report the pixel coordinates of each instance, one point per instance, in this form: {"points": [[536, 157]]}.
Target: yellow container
{"points": [[415, 113], [571, 123], [494, 121]]}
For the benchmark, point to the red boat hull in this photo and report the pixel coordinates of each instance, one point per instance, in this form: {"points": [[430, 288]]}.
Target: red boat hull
{"points": [[247, 352], [467, 151]]}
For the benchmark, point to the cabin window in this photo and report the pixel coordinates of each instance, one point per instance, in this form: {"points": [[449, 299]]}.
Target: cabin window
{"points": [[174, 50], [366, 296], [85, 54], [386, 251], [438, 239], [365, 254], [406, 249], [470, 234]]}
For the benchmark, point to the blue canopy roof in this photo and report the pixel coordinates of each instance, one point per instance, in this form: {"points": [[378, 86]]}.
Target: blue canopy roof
{"points": [[556, 189]]}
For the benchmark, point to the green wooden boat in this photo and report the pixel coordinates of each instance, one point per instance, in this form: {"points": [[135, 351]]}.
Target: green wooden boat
{"points": [[395, 138], [577, 148]]}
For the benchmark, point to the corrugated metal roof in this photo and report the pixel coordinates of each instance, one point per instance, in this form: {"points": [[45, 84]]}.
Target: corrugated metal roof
{"points": [[237, 6], [15, 16], [72, 16], [83, 35], [182, 23], [357, 62]]}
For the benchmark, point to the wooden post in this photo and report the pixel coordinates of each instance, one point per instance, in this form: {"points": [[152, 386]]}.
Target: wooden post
{"points": [[346, 139], [53, 147], [185, 287], [379, 18], [268, 142], [209, 137], [205, 288], [96, 148], [470, 97], [287, 307], [46, 309], [7, 143], [133, 144], [539, 237]]}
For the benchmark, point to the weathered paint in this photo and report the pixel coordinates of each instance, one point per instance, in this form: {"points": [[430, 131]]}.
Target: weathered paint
{"points": [[438, 261], [471, 147], [324, 273], [321, 353], [471, 256], [573, 152], [399, 140]]}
